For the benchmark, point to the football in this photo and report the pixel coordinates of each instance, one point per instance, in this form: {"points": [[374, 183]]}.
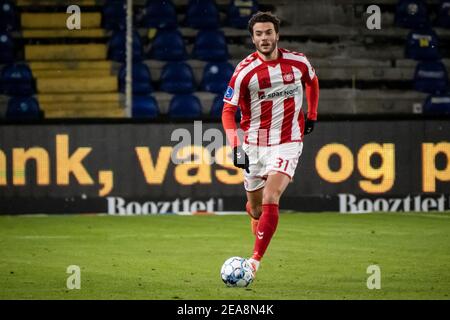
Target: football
{"points": [[237, 272]]}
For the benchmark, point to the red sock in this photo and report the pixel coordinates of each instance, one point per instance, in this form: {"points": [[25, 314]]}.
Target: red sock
{"points": [[266, 228]]}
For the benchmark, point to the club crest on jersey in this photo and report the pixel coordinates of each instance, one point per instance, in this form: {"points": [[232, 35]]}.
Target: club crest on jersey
{"points": [[288, 77], [229, 93]]}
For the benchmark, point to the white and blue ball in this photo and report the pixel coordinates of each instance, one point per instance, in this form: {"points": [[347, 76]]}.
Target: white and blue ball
{"points": [[236, 272]]}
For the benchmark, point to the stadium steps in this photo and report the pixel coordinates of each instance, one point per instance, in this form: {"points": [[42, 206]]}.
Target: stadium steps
{"points": [[71, 65], [77, 84], [73, 112], [79, 97], [51, 52], [81, 73], [57, 20], [64, 33]]}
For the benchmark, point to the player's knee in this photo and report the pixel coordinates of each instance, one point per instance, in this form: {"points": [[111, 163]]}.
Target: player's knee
{"points": [[256, 211], [272, 196]]}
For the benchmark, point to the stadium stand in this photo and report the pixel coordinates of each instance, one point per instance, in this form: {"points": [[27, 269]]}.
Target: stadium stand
{"points": [[240, 11], [202, 14], [437, 104], [216, 76], [185, 106], [23, 108], [141, 79], [431, 77], [168, 45], [79, 73], [422, 45], [177, 77], [160, 14], [17, 80], [145, 107]]}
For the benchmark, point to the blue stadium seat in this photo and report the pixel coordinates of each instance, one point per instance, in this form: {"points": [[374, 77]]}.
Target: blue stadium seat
{"points": [[185, 106], [6, 48], [210, 45], [114, 15], [117, 46], [422, 45], [168, 45], [411, 14], [23, 108], [431, 77], [145, 107], [443, 19], [217, 107], [437, 104], [202, 14], [216, 76], [160, 14], [177, 77], [17, 80], [141, 78], [240, 11], [8, 16]]}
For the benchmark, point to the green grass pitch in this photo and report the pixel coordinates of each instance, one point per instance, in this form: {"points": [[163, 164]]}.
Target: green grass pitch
{"points": [[312, 256]]}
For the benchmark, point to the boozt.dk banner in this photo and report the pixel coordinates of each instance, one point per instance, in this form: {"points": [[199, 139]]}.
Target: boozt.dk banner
{"points": [[349, 166]]}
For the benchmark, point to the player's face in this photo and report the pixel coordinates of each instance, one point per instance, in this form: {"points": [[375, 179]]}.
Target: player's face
{"points": [[265, 38]]}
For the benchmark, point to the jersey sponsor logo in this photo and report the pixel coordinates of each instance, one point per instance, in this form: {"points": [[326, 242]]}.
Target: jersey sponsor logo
{"points": [[229, 93], [288, 76], [284, 93]]}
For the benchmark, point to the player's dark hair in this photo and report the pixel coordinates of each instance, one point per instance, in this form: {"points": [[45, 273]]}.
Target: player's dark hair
{"points": [[263, 17]]}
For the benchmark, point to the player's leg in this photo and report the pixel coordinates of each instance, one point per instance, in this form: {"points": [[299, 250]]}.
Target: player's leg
{"points": [[254, 185], [254, 207], [280, 165], [275, 185]]}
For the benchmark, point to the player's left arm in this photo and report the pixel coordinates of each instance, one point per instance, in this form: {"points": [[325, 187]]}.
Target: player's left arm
{"points": [[312, 99]]}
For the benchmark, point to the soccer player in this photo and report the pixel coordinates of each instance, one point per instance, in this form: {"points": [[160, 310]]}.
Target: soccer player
{"points": [[267, 87]]}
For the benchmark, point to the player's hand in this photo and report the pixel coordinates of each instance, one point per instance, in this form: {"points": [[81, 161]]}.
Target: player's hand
{"points": [[309, 126], [240, 159]]}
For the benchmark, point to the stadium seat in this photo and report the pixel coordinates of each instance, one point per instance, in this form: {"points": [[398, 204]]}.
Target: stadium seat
{"points": [[23, 108], [210, 45], [411, 14], [141, 78], [168, 45], [202, 14], [8, 16], [117, 47], [160, 14], [437, 104], [240, 11], [431, 77], [443, 19], [6, 48], [145, 107], [216, 76], [17, 80], [177, 77], [185, 106], [217, 107], [114, 15], [422, 45]]}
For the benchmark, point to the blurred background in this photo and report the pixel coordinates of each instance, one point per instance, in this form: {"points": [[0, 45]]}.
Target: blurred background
{"points": [[384, 86], [190, 48]]}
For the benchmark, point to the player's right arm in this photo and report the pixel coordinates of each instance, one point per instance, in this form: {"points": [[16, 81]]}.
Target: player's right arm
{"points": [[240, 158]]}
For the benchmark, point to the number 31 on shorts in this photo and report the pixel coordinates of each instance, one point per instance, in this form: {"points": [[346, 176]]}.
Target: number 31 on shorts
{"points": [[282, 164]]}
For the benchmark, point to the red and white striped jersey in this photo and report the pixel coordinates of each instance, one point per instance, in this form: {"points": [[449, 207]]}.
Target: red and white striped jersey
{"points": [[270, 95]]}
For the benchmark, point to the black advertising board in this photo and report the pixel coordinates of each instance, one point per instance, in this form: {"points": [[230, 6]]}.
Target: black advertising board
{"points": [[145, 168]]}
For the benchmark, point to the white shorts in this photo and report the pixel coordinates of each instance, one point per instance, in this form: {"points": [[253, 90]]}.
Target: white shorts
{"points": [[265, 159]]}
